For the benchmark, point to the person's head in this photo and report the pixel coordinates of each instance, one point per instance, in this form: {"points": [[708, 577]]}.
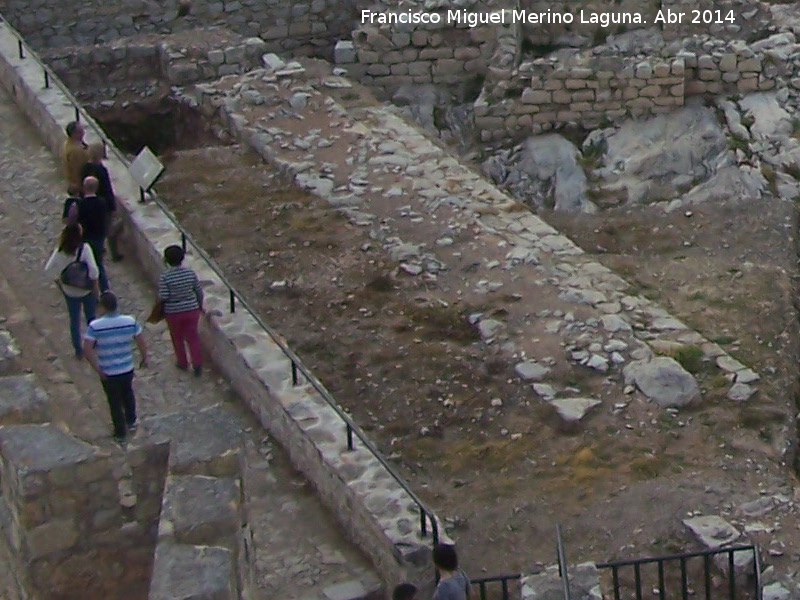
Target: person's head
{"points": [[173, 255], [90, 185], [108, 301], [404, 591], [73, 190], [97, 152], [70, 239], [75, 131], [445, 557]]}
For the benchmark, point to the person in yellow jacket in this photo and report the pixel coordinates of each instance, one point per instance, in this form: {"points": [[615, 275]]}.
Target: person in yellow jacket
{"points": [[74, 154]]}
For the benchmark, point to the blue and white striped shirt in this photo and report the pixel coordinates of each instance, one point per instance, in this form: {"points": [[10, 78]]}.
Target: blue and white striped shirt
{"points": [[112, 336]]}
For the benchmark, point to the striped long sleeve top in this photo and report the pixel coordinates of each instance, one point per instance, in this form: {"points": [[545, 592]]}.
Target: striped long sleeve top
{"points": [[179, 289]]}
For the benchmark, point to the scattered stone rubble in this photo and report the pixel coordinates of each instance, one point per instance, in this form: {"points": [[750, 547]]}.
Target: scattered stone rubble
{"points": [[386, 176]]}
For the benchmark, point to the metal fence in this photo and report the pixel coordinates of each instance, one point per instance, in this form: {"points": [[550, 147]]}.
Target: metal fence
{"points": [[686, 570], [298, 369]]}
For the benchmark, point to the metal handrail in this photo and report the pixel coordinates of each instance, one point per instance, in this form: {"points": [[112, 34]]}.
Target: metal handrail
{"points": [[683, 559], [562, 563], [296, 364]]}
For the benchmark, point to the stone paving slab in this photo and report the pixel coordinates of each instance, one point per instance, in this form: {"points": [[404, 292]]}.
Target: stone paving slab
{"points": [[205, 442], [22, 400], [201, 510], [193, 573]]}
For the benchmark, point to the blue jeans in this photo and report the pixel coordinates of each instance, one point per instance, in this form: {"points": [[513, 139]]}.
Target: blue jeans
{"points": [[98, 247], [89, 304]]}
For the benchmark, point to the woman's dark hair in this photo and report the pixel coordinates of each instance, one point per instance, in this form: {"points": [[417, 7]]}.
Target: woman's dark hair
{"points": [[173, 255], [71, 239], [404, 591], [444, 557]]}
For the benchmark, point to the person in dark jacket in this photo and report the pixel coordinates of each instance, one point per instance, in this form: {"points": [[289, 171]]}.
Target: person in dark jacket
{"points": [[93, 218], [95, 168]]}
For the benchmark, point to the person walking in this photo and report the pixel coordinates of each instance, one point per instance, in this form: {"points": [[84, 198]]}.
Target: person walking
{"points": [[72, 249], [95, 168], [453, 582], [108, 346], [74, 153], [93, 217], [182, 297]]}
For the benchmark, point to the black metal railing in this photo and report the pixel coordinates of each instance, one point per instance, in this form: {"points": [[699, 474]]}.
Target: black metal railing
{"points": [[692, 567], [297, 366], [486, 585], [562, 563]]}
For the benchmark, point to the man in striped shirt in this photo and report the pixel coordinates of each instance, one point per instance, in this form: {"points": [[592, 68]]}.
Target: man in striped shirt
{"points": [[108, 347]]}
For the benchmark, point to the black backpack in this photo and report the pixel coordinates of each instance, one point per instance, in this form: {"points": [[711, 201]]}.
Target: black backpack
{"points": [[76, 273]]}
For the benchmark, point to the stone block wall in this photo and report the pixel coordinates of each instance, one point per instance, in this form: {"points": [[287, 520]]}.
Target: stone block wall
{"points": [[586, 94], [203, 530], [387, 57], [305, 27], [177, 60], [77, 519], [732, 69]]}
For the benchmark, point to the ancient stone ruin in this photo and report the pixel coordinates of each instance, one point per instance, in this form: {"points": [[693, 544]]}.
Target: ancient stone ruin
{"points": [[573, 117]]}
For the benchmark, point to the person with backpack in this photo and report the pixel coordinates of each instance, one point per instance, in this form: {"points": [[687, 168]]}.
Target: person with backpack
{"points": [[75, 272]]}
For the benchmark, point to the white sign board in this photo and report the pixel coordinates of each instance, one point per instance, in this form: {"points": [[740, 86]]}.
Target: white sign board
{"points": [[146, 168]]}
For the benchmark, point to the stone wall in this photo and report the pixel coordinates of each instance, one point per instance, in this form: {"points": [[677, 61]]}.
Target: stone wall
{"points": [[305, 26], [175, 59], [545, 94], [587, 95], [76, 519], [387, 57]]}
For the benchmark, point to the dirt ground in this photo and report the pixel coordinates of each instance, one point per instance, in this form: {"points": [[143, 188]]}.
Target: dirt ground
{"points": [[402, 363]]}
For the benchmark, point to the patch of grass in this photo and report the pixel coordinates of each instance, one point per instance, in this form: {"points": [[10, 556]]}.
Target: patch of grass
{"points": [[690, 358], [723, 340], [648, 466], [759, 417], [736, 142], [306, 223], [792, 170], [593, 153], [768, 171]]}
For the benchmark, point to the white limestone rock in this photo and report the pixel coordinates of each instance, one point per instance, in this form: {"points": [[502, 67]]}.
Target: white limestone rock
{"points": [[664, 381]]}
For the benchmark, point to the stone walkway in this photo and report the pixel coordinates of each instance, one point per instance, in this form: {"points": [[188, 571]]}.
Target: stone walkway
{"points": [[300, 551]]}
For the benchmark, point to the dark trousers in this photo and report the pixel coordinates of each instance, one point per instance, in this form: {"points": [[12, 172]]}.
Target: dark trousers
{"points": [[121, 401], [97, 245]]}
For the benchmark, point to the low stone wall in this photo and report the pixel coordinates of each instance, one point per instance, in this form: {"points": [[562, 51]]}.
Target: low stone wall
{"points": [[730, 69], [176, 60], [304, 27], [386, 57], [592, 91], [75, 516], [204, 540], [587, 95], [377, 513]]}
